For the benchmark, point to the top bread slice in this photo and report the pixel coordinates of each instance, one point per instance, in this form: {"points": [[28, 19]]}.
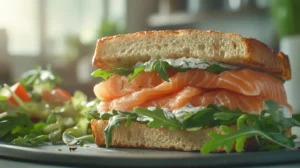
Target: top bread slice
{"points": [[229, 48]]}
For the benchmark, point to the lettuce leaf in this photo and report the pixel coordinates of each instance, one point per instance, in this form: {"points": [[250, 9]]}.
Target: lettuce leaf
{"points": [[38, 78]]}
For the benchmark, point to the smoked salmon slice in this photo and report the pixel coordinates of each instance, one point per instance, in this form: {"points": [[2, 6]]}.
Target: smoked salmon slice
{"points": [[246, 82], [198, 98], [118, 86], [171, 101], [175, 100], [232, 100]]}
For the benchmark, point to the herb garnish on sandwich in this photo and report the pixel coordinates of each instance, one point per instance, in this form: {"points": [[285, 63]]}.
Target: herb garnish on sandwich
{"points": [[191, 90]]}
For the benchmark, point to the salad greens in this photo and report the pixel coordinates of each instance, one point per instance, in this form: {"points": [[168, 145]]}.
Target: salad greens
{"points": [[157, 65], [270, 125], [29, 117]]}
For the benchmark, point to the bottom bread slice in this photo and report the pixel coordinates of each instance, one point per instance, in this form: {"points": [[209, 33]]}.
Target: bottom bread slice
{"points": [[139, 135]]}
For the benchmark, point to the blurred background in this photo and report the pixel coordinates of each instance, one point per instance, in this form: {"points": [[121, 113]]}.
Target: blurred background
{"points": [[63, 33]]}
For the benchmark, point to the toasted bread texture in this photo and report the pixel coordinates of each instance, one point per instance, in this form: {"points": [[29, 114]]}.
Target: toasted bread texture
{"points": [[126, 50], [141, 136]]}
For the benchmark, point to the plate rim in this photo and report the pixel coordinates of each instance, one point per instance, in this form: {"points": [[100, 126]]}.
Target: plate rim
{"points": [[210, 160]]}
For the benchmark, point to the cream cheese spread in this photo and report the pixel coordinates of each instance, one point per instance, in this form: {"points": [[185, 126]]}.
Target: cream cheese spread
{"points": [[194, 63]]}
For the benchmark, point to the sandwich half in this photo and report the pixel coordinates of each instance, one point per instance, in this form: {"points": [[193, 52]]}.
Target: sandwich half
{"points": [[188, 89]]}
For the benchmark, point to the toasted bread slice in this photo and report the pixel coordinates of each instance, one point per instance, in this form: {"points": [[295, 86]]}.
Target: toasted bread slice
{"points": [[139, 135], [126, 50]]}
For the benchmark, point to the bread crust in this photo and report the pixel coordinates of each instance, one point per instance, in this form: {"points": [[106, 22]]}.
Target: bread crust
{"points": [[110, 55]]}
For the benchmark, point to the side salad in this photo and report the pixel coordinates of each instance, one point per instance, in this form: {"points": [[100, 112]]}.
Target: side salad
{"points": [[35, 111]]}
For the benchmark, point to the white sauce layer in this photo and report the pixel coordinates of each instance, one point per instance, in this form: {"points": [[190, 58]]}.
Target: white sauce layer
{"points": [[183, 62]]}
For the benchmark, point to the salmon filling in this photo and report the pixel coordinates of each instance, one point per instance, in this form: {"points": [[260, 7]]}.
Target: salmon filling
{"points": [[244, 89]]}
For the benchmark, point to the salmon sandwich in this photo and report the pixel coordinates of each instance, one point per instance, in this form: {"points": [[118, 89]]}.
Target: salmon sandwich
{"points": [[191, 90]]}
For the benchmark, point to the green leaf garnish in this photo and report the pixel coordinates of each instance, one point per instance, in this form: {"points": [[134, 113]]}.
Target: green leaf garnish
{"points": [[136, 72], [159, 118], [156, 65], [161, 68], [105, 74], [29, 140], [114, 122], [270, 125], [215, 68]]}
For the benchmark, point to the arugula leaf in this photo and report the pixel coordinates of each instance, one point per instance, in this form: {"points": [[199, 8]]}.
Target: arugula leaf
{"points": [[136, 72], [30, 140], [215, 68], [105, 74], [201, 118], [296, 117], [239, 136], [270, 125], [159, 118], [20, 130], [160, 67], [278, 116], [106, 116], [156, 65], [20, 124], [114, 122], [212, 115]]}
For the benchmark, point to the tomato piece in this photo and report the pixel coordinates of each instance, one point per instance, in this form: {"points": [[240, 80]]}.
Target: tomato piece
{"points": [[35, 119], [20, 91], [56, 96]]}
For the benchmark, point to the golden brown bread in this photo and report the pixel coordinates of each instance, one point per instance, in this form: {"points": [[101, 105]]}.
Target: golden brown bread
{"points": [[126, 50], [141, 136]]}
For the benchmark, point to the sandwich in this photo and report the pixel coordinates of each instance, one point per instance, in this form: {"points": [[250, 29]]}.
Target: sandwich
{"points": [[191, 90]]}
